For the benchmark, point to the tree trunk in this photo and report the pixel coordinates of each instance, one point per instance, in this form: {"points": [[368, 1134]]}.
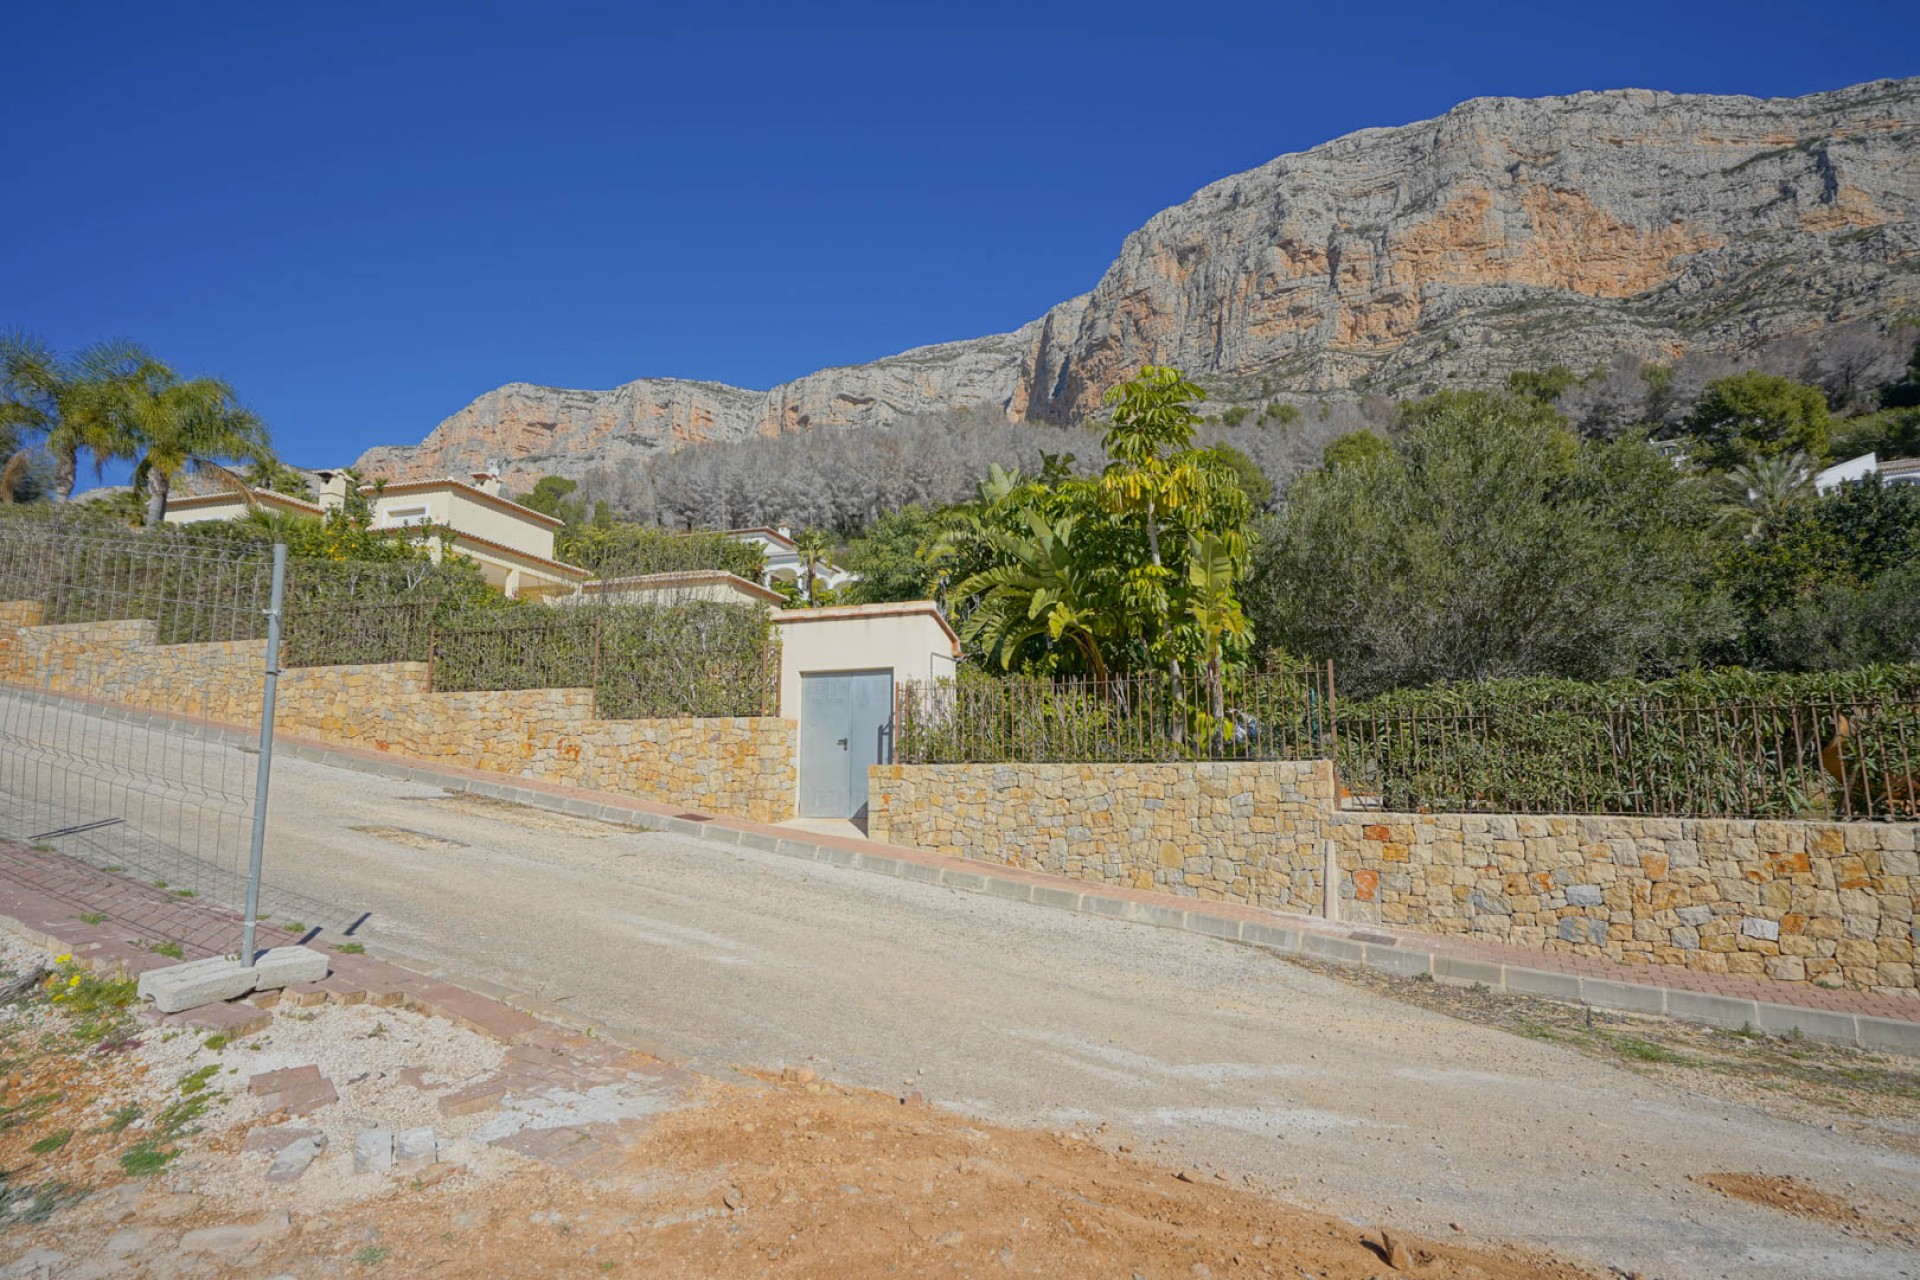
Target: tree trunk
{"points": [[158, 483], [66, 464], [1179, 726]]}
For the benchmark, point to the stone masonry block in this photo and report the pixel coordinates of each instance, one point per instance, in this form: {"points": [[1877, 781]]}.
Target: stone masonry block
{"points": [[188, 986], [414, 1149], [288, 966], [373, 1151]]}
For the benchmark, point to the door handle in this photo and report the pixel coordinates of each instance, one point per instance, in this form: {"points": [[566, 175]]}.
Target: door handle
{"points": [[843, 744]]}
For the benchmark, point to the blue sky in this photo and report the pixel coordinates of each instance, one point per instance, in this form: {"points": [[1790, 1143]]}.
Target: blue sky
{"points": [[365, 215]]}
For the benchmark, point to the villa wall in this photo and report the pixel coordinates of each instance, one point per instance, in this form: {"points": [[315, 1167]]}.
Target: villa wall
{"points": [[1797, 902], [739, 767], [1230, 831]]}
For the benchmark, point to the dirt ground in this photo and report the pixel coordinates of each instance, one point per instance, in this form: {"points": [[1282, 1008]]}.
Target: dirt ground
{"points": [[122, 1144], [796, 1181], [1873, 1096]]}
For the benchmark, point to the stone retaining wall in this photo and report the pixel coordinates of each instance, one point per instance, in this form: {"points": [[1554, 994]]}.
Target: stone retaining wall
{"points": [[1235, 832], [740, 767], [1826, 903], [1831, 903]]}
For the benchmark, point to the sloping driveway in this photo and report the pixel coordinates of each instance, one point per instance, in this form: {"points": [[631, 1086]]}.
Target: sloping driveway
{"points": [[1209, 1054]]}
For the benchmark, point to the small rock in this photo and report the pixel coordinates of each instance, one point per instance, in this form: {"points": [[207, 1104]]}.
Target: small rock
{"points": [[733, 1198], [1399, 1257], [1184, 1176], [373, 1151], [797, 1075], [294, 1158], [948, 1239]]}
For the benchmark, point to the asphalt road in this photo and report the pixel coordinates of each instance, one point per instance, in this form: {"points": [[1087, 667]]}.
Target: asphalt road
{"points": [[1201, 1052]]}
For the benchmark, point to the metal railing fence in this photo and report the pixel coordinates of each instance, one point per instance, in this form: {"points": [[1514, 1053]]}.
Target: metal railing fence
{"points": [[1272, 714], [1804, 754], [688, 659]]}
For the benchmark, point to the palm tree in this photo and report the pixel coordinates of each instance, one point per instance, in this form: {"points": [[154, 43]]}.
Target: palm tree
{"points": [[171, 423], [813, 547], [65, 404], [1757, 496]]}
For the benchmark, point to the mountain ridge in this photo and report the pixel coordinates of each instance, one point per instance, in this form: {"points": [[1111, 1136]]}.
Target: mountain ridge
{"points": [[1504, 233]]}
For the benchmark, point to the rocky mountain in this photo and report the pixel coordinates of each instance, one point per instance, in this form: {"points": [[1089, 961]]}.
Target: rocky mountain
{"points": [[1505, 234]]}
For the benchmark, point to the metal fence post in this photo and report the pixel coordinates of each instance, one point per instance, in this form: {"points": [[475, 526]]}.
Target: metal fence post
{"points": [[267, 698], [1330, 862]]}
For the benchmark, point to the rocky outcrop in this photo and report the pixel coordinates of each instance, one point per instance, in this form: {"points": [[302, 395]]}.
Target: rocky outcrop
{"points": [[1506, 234]]}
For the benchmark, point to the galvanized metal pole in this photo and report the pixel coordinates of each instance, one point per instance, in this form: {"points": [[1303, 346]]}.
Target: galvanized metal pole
{"points": [[267, 697]]}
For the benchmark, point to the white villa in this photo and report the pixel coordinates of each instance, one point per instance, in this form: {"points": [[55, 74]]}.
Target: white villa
{"points": [[512, 544], [784, 563], [1891, 471]]}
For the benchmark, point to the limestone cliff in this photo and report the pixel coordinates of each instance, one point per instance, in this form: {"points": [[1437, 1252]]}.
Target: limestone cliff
{"points": [[1505, 234]]}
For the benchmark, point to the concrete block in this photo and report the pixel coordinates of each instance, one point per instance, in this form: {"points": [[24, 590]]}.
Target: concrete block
{"points": [[292, 1160], [288, 966], [1463, 972], [1545, 983], [414, 1149], [1266, 935], [1321, 947], [373, 1151], [1718, 1011], [967, 881], [1395, 960], [1630, 996], [188, 986], [1815, 1024], [1889, 1035], [1001, 887], [1048, 896], [1212, 925]]}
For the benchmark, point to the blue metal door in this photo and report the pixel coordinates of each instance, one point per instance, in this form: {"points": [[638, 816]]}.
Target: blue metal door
{"points": [[845, 720]]}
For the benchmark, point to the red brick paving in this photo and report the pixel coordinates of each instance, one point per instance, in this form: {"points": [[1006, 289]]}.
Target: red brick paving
{"points": [[45, 894]]}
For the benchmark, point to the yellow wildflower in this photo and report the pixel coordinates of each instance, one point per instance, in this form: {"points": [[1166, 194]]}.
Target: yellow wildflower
{"points": [[66, 959]]}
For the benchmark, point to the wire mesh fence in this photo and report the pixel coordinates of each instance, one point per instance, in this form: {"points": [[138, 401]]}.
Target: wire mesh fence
{"points": [[1281, 713], [692, 658], [131, 670]]}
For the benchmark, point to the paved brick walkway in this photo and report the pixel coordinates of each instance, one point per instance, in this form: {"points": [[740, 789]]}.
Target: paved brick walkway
{"points": [[51, 899]]}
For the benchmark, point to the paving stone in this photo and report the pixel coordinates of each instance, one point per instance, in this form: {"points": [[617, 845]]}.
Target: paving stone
{"points": [[281, 1081], [275, 1137], [298, 1091], [474, 1098], [373, 1151], [288, 966]]}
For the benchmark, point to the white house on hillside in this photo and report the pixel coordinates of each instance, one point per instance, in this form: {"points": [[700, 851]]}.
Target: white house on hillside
{"points": [[784, 563], [1892, 471], [512, 544]]}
